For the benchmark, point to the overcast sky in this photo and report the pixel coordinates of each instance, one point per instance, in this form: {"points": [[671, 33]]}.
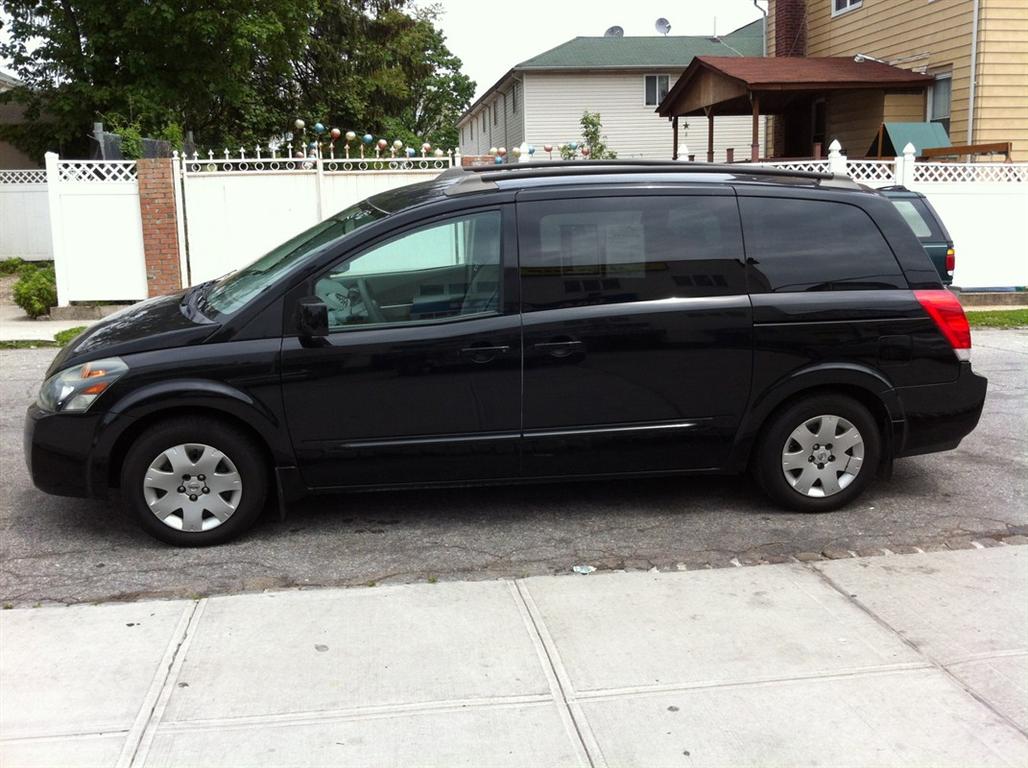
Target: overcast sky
{"points": [[490, 38]]}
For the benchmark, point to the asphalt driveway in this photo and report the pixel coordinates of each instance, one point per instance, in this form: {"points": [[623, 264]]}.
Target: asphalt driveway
{"points": [[70, 550]]}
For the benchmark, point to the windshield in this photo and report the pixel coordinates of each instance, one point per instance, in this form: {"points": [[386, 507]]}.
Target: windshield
{"points": [[227, 294]]}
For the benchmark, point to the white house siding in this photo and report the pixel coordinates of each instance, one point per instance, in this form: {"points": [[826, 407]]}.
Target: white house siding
{"points": [[554, 103], [508, 130]]}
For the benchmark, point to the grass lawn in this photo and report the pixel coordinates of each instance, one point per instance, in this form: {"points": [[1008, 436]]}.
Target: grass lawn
{"points": [[998, 318], [60, 339]]}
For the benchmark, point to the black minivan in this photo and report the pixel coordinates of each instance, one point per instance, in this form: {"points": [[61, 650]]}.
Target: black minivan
{"points": [[538, 321]]}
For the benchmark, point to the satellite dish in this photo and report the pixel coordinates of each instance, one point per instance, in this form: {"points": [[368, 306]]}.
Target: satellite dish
{"points": [[614, 31], [662, 25]]}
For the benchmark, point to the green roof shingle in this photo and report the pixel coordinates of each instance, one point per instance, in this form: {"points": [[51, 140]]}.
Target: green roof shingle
{"points": [[638, 52]]}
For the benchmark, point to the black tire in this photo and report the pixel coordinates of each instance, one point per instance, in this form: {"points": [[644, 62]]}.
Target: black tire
{"points": [[244, 456], [768, 461]]}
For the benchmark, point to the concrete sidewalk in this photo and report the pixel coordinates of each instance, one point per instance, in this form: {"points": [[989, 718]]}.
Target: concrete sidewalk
{"points": [[896, 660]]}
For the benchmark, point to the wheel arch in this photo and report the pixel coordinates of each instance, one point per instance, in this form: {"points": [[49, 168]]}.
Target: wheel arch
{"points": [[172, 400], [866, 386]]}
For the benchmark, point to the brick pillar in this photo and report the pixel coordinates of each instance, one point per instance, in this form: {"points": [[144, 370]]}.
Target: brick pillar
{"points": [[160, 226], [790, 27]]}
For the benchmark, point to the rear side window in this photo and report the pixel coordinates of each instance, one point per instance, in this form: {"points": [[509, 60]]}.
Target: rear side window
{"points": [[815, 245], [913, 217], [622, 249]]}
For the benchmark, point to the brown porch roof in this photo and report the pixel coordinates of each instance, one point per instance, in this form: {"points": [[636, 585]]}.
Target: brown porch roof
{"points": [[725, 83]]}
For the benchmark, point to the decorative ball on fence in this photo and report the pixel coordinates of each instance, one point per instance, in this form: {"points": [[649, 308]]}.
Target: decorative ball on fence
{"points": [[531, 149], [350, 136], [493, 150], [426, 147], [382, 143], [501, 151], [312, 145], [585, 151], [410, 152], [319, 128], [335, 133], [498, 160], [572, 145], [547, 147], [516, 151], [299, 124], [299, 154], [438, 153], [397, 145], [367, 138]]}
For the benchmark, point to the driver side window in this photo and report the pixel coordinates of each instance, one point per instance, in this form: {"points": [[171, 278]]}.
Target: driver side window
{"points": [[447, 269]]}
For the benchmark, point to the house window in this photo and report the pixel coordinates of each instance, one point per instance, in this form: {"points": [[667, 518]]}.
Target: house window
{"points": [[841, 6], [939, 100], [656, 89], [514, 97]]}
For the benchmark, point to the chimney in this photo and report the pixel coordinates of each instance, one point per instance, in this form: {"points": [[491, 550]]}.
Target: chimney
{"points": [[790, 27]]}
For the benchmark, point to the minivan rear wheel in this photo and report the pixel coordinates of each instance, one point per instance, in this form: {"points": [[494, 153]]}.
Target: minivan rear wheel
{"points": [[194, 482], [819, 453]]}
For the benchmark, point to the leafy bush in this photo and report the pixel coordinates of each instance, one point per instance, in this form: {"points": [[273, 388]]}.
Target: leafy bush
{"points": [[10, 266], [36, 290], [63, 337]]}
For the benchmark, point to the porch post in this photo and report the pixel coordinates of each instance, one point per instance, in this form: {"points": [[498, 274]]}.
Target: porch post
{"points": [[755, 140], [710, 135], [674, 137]]}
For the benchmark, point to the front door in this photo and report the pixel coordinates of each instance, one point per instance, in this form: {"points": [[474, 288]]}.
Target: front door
{"points": [[419, 380], [636, 331]]}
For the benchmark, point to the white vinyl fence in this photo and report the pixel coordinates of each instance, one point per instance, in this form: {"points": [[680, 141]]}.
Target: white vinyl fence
{"points": [[86, 215], [96, 230], [238, 209], [24, 216]]}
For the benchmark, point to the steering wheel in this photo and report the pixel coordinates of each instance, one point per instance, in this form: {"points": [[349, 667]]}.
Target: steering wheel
{"points": [[370, 305]]}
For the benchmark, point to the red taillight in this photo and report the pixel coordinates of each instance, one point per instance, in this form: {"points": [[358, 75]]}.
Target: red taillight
{"points": [[951, 260], [944, 308]]}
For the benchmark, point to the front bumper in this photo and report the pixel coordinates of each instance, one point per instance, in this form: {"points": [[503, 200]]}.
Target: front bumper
{"points": [[58, 449], [938, 416]]}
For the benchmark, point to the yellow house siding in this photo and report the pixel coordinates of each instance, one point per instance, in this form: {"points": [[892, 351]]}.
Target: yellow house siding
{"points": [[915, 34], [853, 117], [903, 108], [1001, 101]]}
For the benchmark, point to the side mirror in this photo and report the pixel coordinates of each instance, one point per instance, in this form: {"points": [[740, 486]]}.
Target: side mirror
{"points": [[313, 318]]}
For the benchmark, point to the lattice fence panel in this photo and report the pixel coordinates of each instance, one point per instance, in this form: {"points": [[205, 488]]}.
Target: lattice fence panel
{"points": [[23, 177], [871, 170], [814, 166], [973, 172], [96, 170]]}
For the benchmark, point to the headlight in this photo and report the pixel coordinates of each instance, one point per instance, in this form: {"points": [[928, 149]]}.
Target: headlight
{"points": [[74, 389]]}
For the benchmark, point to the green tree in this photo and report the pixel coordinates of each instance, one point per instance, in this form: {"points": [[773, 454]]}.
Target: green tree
{"points": [[235, 72], [382, 68]]}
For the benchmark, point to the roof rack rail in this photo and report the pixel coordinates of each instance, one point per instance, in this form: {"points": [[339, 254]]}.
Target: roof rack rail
{"points": [[484, 177]]}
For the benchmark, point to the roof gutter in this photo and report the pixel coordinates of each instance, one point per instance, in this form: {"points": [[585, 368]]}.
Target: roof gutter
{"points": [[975, 10]]}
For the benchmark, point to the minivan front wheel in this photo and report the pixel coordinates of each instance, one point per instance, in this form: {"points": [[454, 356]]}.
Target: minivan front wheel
{"points": [[194, 482], [819, 453]]}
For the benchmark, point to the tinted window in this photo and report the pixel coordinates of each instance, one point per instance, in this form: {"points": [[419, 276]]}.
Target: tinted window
{"points": [[815, 245], [441, 270], [913, 217], [610, 250]]}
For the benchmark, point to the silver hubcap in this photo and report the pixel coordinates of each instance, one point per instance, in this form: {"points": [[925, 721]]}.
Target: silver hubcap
{"points": [[822, 456], [192, 487]]}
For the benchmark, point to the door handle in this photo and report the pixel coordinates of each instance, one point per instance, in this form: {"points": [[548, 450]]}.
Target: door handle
{"points": [[485, 353], [559, 348]]}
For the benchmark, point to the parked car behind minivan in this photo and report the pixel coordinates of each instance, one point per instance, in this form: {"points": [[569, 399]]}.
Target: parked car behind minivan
{"points": [[923, 219], [525, 322]]}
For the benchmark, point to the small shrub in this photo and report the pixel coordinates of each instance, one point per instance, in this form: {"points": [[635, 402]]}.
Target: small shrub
{"points": [[36, 291], [63, 337], [10, 266]]}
